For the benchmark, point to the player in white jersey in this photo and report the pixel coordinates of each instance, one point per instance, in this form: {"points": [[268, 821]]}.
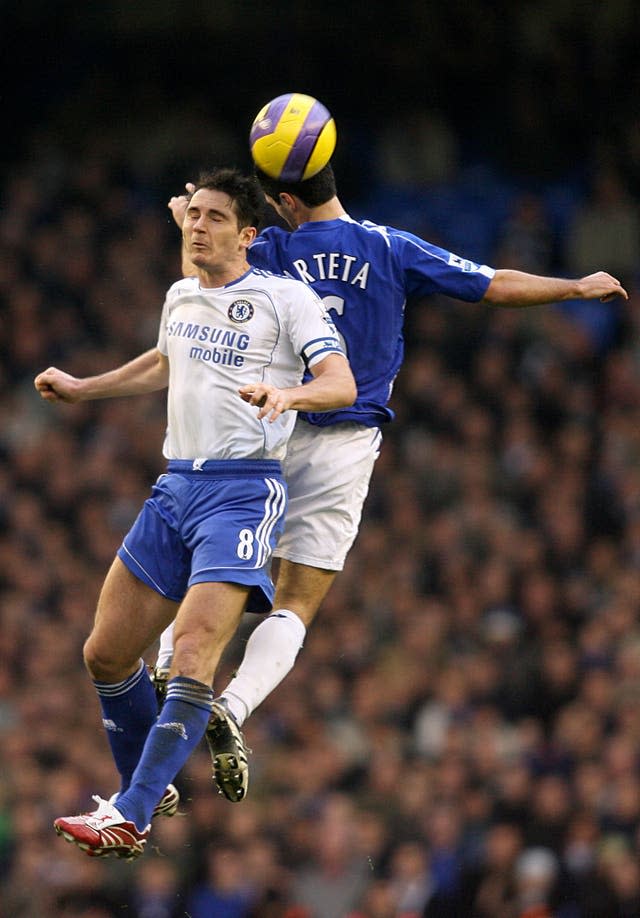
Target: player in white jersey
{"points": [[263, 327], [365, 274], [233, 346]]}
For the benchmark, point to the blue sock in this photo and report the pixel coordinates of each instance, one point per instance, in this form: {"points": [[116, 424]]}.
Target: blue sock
{"points": [[178, 730], [129, 710]]}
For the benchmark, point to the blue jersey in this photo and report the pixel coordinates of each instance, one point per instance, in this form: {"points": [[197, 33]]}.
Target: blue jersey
{"points": [[364, 273]]}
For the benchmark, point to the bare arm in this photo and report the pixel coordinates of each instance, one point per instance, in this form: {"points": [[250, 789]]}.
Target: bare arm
{"points": [[146, 373], [333, 386], [515, 288], [178, 206]]}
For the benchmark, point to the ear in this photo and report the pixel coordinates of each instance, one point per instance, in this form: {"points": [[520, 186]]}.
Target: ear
{"points": [[287, 200], [247, 235]]}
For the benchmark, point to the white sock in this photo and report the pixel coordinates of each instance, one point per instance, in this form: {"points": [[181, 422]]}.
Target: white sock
{"points": [[270, 654], [165, 653]]}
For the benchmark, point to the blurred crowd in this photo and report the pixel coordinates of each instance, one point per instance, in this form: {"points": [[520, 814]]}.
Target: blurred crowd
{"points": [[461, 734]]}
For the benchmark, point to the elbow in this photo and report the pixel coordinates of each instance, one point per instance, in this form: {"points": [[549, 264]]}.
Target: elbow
{"points": [[498, 293], [510, 288], [502, 289]]}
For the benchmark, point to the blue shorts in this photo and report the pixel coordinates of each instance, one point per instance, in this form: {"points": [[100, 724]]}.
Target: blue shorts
{"points": [[219, 523]]}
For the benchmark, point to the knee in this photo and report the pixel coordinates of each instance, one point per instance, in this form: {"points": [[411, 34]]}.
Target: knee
{"points": [[195, 656], [106, 664]]}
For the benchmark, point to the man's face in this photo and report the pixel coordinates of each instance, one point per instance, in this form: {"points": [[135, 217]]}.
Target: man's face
{"points": [[211, 233]]}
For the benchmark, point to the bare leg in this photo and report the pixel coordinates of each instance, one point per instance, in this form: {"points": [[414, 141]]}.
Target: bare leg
{"points": [[206, 622], [302, 588], [129, 617]]}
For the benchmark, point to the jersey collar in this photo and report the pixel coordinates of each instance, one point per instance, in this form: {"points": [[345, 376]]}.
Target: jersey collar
{"points": [[323, 224], [232, 283]]}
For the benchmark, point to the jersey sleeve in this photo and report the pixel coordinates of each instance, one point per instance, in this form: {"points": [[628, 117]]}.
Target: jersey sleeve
{"points": [[312, 332], [162, 329], [430, 269]]}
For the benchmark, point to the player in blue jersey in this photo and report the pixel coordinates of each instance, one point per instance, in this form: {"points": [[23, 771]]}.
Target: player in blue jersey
{"points": [[233, 345], [365, 274]]}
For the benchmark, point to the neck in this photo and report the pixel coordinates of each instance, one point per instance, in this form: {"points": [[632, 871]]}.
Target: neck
{"points": [[330, 210], [218, 277]]}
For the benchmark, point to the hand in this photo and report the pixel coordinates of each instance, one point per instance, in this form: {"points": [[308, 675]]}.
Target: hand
{"points": [[178, 204], [601, 286], [271, 400], [56, 386]]}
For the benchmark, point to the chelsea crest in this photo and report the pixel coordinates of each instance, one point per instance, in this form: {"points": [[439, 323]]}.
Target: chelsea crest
{"points": [[240, 311]]}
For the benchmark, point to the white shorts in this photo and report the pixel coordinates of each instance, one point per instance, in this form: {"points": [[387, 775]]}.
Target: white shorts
{"points": [[327, 470]]}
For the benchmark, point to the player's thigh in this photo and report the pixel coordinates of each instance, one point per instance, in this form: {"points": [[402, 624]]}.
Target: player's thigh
{"points": [[301, 588], [206, 622], [130, 616]]}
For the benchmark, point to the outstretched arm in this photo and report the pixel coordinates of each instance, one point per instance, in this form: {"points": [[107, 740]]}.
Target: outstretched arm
{"points": [[146, 373], [515, 288], [333, 386]]}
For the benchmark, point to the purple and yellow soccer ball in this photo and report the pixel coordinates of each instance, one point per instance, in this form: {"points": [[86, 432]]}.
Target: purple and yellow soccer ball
{"points": [[292, 137]]}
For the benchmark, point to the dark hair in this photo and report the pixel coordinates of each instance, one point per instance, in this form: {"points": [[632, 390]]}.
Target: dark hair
{"points": [[316, 190], [243, 191]]}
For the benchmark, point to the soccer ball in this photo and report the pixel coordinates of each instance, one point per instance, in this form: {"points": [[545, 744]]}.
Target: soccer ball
{"points": [[292, 137]]}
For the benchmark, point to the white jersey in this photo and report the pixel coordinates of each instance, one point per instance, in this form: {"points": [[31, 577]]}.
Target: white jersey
{"points": [[259, 328]]}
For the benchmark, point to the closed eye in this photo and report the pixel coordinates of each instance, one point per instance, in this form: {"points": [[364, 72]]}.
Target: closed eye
{"points": [[216, 216]]}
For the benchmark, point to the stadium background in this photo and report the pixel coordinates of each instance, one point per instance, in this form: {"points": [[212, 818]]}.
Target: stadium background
{"points": [[472, 749]]}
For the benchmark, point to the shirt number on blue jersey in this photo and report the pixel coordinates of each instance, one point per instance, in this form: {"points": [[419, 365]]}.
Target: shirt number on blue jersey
{"points": [[245, 544], [337, 304], [333, 302]]}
